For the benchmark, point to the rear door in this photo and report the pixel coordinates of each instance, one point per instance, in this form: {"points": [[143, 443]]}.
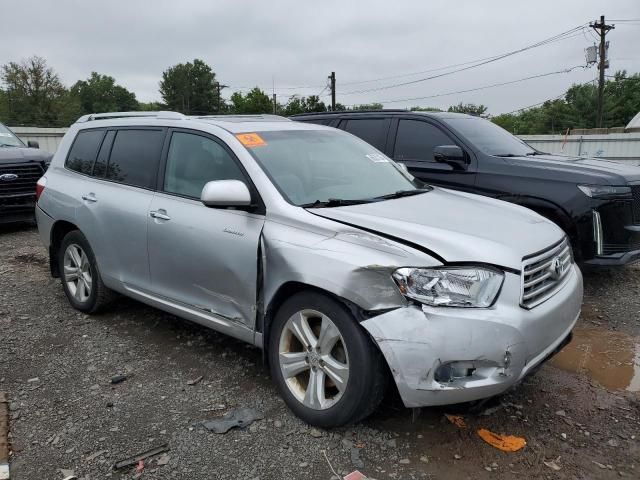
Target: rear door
{"points": [[413, 141], [115, 203], [373, 130], [206, 258]]}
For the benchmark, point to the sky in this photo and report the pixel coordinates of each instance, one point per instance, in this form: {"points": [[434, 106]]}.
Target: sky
{"points": [[297, 43]]}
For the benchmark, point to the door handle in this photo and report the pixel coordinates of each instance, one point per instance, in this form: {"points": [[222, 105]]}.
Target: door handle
{"points": [[90, 198], [159, 214]]}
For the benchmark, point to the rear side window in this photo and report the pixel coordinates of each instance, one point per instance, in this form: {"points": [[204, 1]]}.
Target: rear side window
{"points": [[100, 167], [415, 140], [194, 160], [84, 150], [135, 156], [371, 130]]}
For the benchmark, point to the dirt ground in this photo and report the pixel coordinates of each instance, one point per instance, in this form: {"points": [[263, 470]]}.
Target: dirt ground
{"points": [[580, 414]]}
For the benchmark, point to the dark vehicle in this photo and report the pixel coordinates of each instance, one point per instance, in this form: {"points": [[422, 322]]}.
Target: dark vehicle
{"points": [[595, 201], [20, 168]]}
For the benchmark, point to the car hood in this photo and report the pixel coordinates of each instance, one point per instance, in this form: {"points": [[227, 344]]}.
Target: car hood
{"points": [[23, 155], [595, 170], [455, 226]]}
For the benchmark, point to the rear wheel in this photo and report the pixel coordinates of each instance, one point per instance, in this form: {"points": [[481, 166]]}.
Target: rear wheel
{"points": [[325, 366], [80, 275]]}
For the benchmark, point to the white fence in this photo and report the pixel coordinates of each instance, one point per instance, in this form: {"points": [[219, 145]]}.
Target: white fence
{"points": [[48, 138], [614, 146]]}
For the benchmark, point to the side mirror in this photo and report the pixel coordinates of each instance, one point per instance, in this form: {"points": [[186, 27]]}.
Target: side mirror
{"points": [[225, 193], [33, 144], [450, 154]]}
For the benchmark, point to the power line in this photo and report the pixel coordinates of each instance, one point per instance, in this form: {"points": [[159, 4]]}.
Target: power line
{"points": [[549, 99], [477, 64], [475, 89]]}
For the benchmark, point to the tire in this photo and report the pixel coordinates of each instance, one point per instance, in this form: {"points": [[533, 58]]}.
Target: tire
{"points": [[84, 288], [343, 395]]}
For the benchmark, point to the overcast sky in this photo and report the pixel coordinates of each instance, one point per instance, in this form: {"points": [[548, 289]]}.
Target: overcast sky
{"points": [[295, 43]]}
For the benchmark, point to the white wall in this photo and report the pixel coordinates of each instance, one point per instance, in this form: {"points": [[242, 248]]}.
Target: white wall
{"points": [[48, 138]]}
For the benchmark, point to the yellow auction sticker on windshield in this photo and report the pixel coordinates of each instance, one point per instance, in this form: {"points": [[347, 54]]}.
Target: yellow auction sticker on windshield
{"points": [[251, 140]]}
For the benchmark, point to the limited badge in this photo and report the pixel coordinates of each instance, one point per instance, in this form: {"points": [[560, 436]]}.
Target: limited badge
{"points": [[251, 140]]}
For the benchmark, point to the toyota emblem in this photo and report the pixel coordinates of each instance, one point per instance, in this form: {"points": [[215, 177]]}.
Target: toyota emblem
{"points": [[556, 269], [8, 177]]}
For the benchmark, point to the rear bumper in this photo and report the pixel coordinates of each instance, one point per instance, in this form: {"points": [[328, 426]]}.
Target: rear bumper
{"points": [[45, 224], [496, 347]]}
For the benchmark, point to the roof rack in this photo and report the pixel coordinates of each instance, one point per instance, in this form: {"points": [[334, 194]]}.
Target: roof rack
{"points": [[103, 116], [244, 118]]}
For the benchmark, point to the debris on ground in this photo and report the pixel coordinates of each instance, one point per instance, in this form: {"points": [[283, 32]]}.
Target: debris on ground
{"points": [[553, 464], [135, 460], [118, 378], [506, 443], [67, 474], [356, 461], [140, 467], [4, 436], [457, 420], [491, 410], [356, 475], [242, 417], [95, 455], [195, 381]]}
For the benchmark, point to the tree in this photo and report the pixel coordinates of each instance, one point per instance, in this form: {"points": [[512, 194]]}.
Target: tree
{"points": [[255, 101], [425, 109], [33, 93], [469, 108], [190, 88], [99, 93], [368, 106]]}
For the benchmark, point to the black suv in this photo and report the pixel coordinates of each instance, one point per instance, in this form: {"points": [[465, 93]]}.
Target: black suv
{"points": [[595, 201], [20, 168]]}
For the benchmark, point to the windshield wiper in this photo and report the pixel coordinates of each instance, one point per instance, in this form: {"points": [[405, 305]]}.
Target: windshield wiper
{"points": [[507, 155], [404, 193], [531, 154], [335, 202]]}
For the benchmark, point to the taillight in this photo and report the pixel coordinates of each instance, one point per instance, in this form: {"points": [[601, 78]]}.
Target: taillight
{"points": [[40, 184]]}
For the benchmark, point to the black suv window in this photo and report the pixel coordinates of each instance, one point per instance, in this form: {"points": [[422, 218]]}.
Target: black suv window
{"points": [[84, 150], [415, 140], [194, 160], [135, 156], [371, 130]]}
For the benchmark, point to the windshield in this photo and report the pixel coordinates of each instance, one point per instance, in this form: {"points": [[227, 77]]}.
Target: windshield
{"points": [[489, 137], [313, 166], [8, 139]]}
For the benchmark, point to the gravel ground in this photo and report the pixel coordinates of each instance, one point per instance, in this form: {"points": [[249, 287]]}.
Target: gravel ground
{"points": [[56, 366]]}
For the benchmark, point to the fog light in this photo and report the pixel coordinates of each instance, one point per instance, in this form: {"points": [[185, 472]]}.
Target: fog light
{"points": [[507, 359], [453, 371]]}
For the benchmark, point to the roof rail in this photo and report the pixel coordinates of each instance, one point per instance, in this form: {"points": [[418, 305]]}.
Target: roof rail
{"points": [[341, 112], [244, 118], [107, 115]]}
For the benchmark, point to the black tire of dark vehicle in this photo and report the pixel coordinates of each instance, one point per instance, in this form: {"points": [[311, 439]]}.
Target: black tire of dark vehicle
{"points": [[100, 296], [368, 376]]}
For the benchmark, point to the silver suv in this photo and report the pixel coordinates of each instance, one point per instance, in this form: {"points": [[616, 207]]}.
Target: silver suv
{"points": [[311, 244]]}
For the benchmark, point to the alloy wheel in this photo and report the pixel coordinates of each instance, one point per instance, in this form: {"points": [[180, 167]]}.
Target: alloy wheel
{"points": [[313, 359], [77, 273]]}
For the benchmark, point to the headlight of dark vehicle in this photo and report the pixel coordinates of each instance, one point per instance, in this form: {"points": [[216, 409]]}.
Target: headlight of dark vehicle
{"points": [[469, 287], [605, 191]]}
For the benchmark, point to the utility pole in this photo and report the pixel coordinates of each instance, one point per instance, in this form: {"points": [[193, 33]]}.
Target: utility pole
{"points": [[332, 79], [602, 29], [275, 105]]}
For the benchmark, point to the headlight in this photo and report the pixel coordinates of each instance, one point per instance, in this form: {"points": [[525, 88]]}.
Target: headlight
{"points": [[605, 191], [450, 286]]}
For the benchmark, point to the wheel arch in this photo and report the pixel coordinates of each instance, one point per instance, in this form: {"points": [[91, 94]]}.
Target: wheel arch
{"points": [[58, 232]]}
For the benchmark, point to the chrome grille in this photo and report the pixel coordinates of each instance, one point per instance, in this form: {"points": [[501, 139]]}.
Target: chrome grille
{"points": [[544, 273], [24, 183], [635, 191]]}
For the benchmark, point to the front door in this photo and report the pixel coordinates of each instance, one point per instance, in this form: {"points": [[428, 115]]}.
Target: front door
{"points": [[414, 143], [205, 258]]}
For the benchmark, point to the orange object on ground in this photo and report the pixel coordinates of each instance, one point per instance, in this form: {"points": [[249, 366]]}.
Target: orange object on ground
{"points": [[251, 140], [457, 420], [506, 443]]}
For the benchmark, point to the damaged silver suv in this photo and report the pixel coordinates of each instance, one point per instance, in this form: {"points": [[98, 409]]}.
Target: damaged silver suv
{"points": [[309, 243]]}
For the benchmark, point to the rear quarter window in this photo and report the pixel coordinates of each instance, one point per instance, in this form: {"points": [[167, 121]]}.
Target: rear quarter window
{"points": [[135, 156], [84, 150]]}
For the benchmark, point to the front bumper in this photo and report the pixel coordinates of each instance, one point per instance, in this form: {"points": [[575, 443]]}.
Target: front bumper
{"points": [[499, 345], [16, 208]]}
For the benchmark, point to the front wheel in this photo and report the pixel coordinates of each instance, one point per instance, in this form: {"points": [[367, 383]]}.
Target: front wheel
{"points": [[326, 367]]}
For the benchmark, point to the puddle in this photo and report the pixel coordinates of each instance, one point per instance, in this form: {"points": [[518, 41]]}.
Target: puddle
{"points": [[610, 358]]}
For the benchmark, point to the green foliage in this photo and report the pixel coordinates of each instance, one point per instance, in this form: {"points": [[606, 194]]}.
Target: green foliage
{"points": [[578, 108], [254, 102], [425, 109], [151, 106], [99, 93], [32, 93], [191, 88], [468, 108], [368, 106], [297, 105]]}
